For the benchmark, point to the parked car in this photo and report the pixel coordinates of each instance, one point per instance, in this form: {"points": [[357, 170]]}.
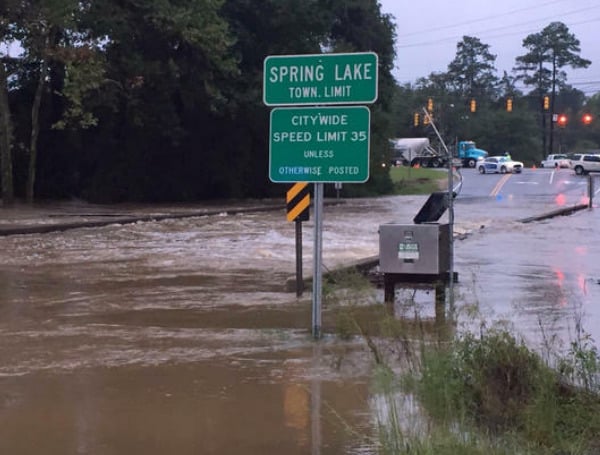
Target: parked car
{"points": [[584, 163], [556, 161], [501, 164]]}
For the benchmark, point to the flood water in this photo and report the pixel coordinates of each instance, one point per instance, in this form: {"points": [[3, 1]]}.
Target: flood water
{"points": [[181, 336]]}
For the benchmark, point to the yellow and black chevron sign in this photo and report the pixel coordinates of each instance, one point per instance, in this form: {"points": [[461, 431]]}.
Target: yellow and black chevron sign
{"points": [[298, 202]]}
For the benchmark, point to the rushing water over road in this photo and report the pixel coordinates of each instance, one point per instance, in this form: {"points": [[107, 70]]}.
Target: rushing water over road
{"points": [[179, 336]]}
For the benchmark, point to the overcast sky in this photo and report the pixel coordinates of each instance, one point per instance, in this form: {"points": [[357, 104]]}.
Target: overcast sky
{"points": [[428, 31]]}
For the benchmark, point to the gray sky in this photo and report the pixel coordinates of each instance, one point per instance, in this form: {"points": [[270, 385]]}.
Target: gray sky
{"points": [[428, 31]]}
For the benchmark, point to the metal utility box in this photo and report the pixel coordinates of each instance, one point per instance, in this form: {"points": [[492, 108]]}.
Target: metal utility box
{"points": [[414, 248]]}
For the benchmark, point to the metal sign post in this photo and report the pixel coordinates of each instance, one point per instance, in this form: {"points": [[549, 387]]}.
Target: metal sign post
{"points": [[450, 215], [299, 279], [318, 261]]}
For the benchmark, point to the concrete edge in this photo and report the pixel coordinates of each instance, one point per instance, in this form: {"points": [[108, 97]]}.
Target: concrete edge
{"points": [[118, 219], [560, 212]]}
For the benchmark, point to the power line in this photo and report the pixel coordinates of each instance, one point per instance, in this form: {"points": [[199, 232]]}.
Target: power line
{"points": [[517, 32], [483, 19]]}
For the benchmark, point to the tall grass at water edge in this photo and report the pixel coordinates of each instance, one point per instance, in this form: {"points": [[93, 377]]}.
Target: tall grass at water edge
{"points": [[439, 391]]}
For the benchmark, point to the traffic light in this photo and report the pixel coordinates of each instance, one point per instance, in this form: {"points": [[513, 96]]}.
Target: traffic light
{"points": [[587, 118], [473, 105], [509, 104], [416, 119], [562, 120], [430, 104], [546, 102]]}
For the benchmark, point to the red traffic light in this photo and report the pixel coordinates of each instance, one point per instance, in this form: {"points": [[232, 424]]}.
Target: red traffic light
{"points": [[587, 119], [562, 120]]}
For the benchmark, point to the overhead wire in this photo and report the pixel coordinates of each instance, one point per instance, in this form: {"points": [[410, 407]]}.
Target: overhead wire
{"points": [[511, 27], [483, 19]]}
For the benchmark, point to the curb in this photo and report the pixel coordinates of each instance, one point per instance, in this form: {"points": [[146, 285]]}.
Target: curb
{"points": [[17, 229], [560, 212]]}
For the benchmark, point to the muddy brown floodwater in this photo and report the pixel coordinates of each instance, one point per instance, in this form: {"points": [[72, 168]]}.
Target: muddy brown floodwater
{"points": [[179, 336]]}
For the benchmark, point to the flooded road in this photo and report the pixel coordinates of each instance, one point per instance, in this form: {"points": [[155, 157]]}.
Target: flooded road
{"points": [[180, 336]]}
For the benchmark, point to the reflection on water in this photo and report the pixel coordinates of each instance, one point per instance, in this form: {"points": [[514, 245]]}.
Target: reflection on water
{"points": [[540, 277]]}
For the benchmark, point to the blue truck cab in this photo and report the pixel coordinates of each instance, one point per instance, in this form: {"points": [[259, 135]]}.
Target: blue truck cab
{"points": [[468, 153]]}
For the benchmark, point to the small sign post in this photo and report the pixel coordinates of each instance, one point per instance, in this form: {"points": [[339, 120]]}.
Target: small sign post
{"points": [[297, 206]]}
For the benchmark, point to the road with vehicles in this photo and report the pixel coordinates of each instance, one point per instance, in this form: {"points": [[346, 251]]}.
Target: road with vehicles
{"points": [[541, 184], [180, 335]]}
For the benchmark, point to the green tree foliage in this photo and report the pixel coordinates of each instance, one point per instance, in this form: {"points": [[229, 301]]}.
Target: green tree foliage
{"points": [[161, 100], [472, 71], [541, 67], [578, 136], [187, 122], [359, 25], [54, 54], [168, 65], [470, 75]]}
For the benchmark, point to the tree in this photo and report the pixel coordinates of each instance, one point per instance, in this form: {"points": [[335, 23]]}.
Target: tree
{"points": [[472, 70], [359, 25], [470, 75], [170, 70], [47, 33], [5, 140], [6, 128], [554, 46]]}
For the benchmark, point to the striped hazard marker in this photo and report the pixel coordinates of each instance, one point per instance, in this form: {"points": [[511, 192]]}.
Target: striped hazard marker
{"points": [[298, 202]]}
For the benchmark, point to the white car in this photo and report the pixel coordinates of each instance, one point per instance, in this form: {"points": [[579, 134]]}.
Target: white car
{"points": [[501, 164], [555, 161], [584, 163]]}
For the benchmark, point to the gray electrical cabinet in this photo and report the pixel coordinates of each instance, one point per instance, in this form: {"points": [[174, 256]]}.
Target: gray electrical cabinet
{"points": [[417, 249]]}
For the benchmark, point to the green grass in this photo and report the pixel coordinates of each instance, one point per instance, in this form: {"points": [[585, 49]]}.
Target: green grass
{"points": [[409, 180], [495, 385]]}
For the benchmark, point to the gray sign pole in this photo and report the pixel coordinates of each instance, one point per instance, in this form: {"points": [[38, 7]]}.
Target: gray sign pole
{"points": [[317, 264]]}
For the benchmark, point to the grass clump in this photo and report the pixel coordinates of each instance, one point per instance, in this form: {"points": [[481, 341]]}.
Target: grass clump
{"points": [[496, 385]]}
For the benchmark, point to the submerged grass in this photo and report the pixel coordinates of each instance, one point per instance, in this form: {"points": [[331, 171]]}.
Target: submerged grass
{"points": [[466, 393]]}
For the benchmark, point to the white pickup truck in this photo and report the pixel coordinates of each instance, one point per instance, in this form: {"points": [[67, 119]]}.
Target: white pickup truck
{"points": [[556, 161]]}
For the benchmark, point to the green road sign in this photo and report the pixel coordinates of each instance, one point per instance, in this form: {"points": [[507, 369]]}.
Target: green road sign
{"points": [[319, 144], [291, 80]]}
